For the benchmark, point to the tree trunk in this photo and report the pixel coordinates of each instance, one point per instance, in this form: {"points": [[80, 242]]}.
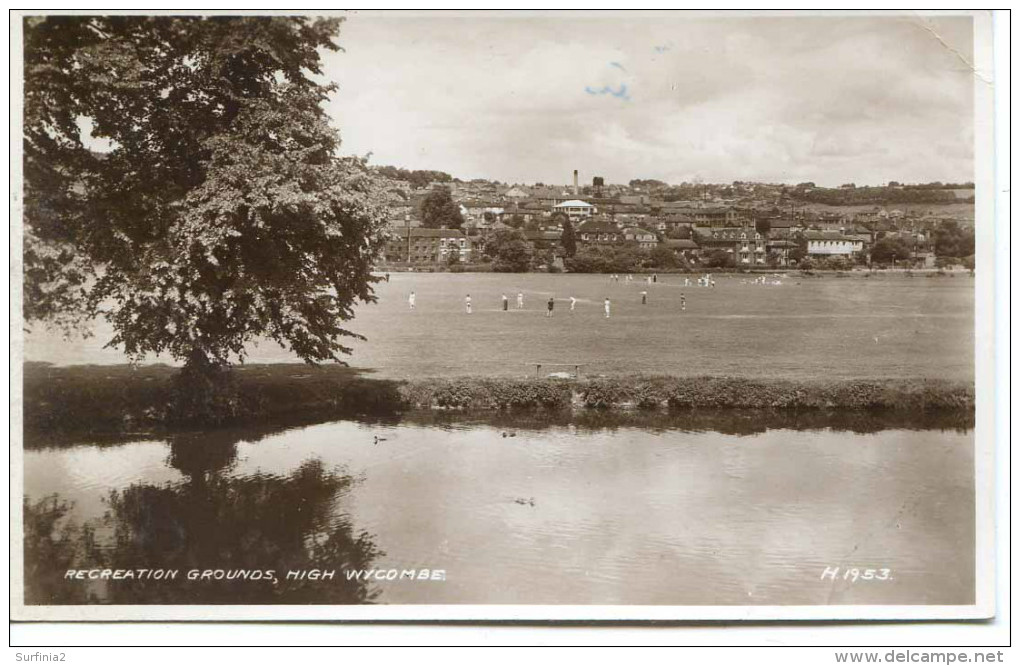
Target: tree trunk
{"points": [[204, 392]]}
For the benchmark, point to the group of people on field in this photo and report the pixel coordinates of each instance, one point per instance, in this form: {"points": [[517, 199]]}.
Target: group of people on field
{"points": [[650, 279], [551, 303], [549, 306], [703, 281], [763, 280]]}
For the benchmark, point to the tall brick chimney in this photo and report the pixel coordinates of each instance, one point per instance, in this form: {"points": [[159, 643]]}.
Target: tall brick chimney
{"points": [[577, 191]]}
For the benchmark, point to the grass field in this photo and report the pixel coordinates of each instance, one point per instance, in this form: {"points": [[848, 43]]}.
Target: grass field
{"points": [[807, 327]]}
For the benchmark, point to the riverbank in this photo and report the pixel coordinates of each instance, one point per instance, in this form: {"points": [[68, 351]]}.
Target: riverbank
{"points": [[124, 399]]}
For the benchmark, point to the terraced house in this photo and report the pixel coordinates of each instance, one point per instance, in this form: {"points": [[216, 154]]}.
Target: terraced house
{"points": [[645, 239], [599, 232], [542, 240], [745, 244], [427, 246], [474, 209], [711, 216]]}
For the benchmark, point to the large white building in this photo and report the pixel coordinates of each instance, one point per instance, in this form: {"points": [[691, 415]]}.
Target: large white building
{"points": [[575, 209], [830, 243]]}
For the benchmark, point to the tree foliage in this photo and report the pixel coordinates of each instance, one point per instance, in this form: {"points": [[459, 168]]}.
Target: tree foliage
{"points": [[516, 221], [661, 256], [952, 240], [799, 253], [835, 263], [509, 250], [438, 210], [219, 211], [719, 259], [569, 238], [890, 249], [680, 231], [417, 178], [851, 195], [605, 259]]}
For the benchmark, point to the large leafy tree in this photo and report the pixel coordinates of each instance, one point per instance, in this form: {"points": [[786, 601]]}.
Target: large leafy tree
{"points": [[662, 256], [605, 259], [719, 259], [207, 205], [890, 249], [952, 240], [438, 210], [509, 250]]}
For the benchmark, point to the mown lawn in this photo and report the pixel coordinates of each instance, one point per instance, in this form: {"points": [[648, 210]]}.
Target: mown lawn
{"points": [[807, 327]]}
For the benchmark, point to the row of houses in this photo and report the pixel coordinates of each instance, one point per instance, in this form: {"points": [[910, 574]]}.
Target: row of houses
{"points": [[744, 203], [665, 219], [703, 234], [422, 246], [579, 210]]}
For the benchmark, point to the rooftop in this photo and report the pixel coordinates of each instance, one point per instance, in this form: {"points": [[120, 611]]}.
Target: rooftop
{"points": [[827, 235], [422, 232], [543, 235], [598, 226]]}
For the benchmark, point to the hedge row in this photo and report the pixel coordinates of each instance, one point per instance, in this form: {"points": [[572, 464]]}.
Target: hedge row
{"points": [[484, 394], [678, 393], [125, 399]]}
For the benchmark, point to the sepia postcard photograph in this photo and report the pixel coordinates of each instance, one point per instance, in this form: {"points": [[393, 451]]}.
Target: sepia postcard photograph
{"points": [[502, 315]]}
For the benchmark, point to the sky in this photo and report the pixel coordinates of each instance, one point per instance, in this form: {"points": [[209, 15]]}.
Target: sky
{"points": [[528, 97]]}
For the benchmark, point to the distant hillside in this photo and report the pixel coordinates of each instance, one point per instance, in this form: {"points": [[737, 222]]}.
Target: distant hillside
{"points": [[959, 211], [936, 193], [417, 177]]}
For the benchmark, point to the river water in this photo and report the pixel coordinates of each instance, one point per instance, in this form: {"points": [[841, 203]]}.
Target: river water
{"points": [[479, 512]]}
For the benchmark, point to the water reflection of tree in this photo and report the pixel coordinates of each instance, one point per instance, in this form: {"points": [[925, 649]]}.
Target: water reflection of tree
{"points": [[52, 546], [210, 521], [201, 456]]}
